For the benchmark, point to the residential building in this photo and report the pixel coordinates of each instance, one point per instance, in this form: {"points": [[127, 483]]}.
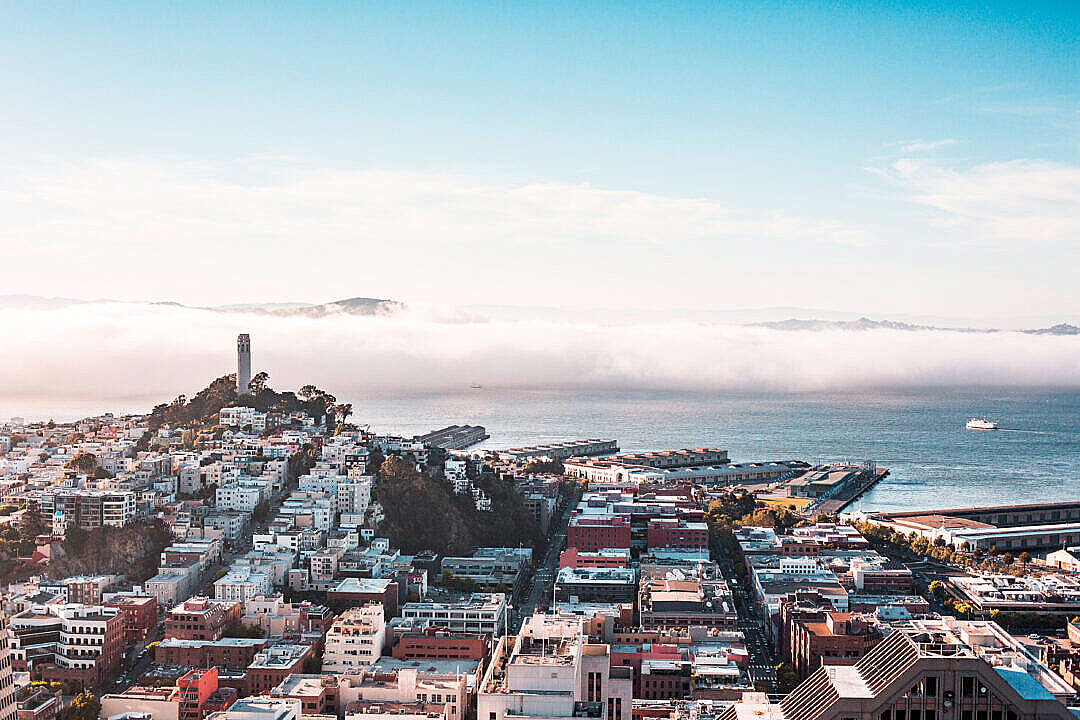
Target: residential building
{"points": [[355, 639], [81, 644], [833, 639]]}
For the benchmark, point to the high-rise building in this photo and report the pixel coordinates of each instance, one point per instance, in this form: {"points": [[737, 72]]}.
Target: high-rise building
{"points": [[943, 669], [243, 363], [8, 707]]}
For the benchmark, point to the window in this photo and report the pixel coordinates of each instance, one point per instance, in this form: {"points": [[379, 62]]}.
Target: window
{"points": [[930, 685], [967, 686]]}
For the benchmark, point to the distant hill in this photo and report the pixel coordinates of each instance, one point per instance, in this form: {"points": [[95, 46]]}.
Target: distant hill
{"points": [[865, 323], [862, 323], [348, 306], [1059, 329]]}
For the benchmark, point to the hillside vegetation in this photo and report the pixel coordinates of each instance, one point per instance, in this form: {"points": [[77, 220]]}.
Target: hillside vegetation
{"points": [[422, 513], [133, 550]]}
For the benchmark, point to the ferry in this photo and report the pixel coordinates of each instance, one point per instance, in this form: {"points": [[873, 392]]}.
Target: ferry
{"points": [[981, 424]]}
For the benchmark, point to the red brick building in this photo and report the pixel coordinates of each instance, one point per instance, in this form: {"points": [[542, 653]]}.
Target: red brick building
{"points": [[273, 665], [230, 653], [677, 533], [435, 643], [572, 557], [195, 689], [589, 534], [837, 639], [357, 592], [201, 619], [140, 616]]}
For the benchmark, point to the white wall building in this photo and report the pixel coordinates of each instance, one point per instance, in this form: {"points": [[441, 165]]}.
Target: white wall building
{"points": [[355, 640]]}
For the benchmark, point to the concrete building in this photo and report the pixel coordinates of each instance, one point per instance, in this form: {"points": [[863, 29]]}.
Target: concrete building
{"points": [[1044, 593], [261, 708], [551, 670], [670, 602], [243, 364], [482, 613], [490, 567], [943, 668], [559, 450], [274, 664], [596, 584], [1013, 528]]}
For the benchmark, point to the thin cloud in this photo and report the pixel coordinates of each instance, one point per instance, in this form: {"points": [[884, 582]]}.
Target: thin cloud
{"points": [[119, 203], [1016, 201], [920, 146]]}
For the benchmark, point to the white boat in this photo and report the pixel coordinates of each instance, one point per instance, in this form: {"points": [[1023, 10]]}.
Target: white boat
{"points": [[981, 424]]}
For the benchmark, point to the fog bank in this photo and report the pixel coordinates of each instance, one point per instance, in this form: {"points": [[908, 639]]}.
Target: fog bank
{"points": [[128, 356]]}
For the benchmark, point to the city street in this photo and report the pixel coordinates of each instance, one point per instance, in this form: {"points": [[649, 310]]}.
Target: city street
{"points": [[543, 579]]}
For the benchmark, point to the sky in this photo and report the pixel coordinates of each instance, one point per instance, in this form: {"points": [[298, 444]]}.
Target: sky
{"points": [[881, 158]]}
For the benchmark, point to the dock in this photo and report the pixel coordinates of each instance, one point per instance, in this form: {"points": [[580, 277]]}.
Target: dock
{"points": [[455, 437]]}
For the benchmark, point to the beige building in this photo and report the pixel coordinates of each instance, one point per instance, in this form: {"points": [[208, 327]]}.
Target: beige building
{"points": [[552, 670]]}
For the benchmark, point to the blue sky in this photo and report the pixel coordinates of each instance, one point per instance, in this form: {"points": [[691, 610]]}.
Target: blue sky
{"points": [[881, 157]]}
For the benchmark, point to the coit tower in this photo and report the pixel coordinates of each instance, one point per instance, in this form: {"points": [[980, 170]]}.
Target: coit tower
{"points": [[243, 363]]}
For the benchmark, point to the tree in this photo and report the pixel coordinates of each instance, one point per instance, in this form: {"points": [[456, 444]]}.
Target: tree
{"points": [[342, 411], [786, 678], [258, 383], [937, 589], [1025, 557], [84, 463], [84, 706]]}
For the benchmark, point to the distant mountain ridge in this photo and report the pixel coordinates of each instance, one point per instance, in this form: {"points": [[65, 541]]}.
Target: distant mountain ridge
{"points": [[865, 323], [1059, 329], [347, 306]]}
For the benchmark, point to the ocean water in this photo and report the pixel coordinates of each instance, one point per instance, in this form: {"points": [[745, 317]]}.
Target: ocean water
{"points": [[919, 435], [934, 461]]}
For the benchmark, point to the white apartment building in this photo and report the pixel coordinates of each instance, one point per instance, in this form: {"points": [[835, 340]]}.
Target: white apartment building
{"points": [[355, 640], [242, 584], [242, 498], [242, 416], [551, 670]]}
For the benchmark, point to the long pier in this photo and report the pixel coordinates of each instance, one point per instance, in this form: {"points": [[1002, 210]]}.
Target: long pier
{"points": [[850, 494]]}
